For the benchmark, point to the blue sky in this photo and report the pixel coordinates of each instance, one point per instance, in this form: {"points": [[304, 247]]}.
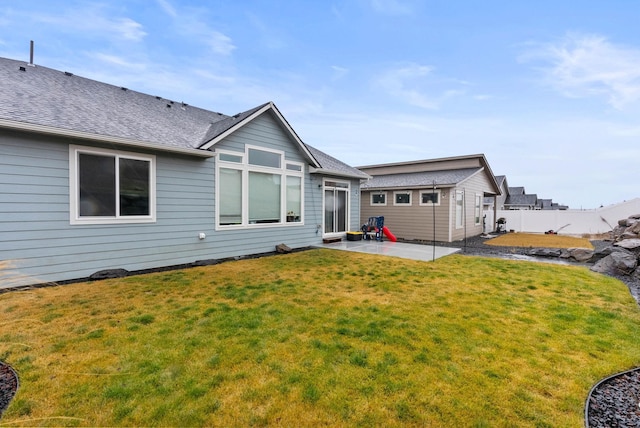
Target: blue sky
{"points": [[548, 91]]}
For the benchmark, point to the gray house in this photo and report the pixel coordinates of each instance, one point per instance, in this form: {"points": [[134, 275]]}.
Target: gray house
{"points": [[96, 177]]}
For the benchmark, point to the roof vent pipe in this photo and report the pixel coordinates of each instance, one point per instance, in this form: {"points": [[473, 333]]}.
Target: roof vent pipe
{"points": [[31, 55]]}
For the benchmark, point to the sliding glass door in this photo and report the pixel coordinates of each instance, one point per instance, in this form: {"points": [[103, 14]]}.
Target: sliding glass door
{"points": [[336, 207]]}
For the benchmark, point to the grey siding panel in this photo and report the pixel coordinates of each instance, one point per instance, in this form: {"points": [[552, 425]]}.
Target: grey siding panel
{"points": [[38, 243]]}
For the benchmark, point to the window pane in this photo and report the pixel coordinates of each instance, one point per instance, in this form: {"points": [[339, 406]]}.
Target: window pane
{"points": [[264, 197], [230, 158], [97, 176], [402, 198], [294, 167], [459, 205], [134, 187], [294, 199], [379, 198], [329, 207], [262, 158], [341, 211], [230, 194], [430, 198]]}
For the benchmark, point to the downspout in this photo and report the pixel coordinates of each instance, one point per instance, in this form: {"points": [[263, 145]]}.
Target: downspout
{"points": [[434, 222], [495, 212]]}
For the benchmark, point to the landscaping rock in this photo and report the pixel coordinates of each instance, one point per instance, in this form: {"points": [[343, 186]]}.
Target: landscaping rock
{"points": [[580, 254], [601, 253], [206, 262], [616, 263], [629, 244], [545, 252], [109, 273], [635, 228], [283, 249]]}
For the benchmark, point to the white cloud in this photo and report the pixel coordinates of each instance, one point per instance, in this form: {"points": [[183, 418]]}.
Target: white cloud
{"points": [[168, 8], [415, 85], [113, 60], [391, 7], [339, 72], [129, 29], [590, 65], [93, 20], [193, 23]]}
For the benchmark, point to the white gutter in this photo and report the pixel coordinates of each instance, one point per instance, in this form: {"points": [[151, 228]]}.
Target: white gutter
{"points": [[314, 170], [49, 130]]}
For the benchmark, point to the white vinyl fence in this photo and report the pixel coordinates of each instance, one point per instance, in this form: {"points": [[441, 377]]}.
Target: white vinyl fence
{"points": [[566, 222]]}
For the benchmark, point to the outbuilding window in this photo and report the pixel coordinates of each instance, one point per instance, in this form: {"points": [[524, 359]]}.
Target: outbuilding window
{"points": [[402, 198], [430, 197], [379, 198]]}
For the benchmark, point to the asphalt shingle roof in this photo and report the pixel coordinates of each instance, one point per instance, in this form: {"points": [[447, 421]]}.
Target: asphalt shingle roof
{"points": [[330, 163], [528, 200], [43, 96], [420, 179], [38, 95]]}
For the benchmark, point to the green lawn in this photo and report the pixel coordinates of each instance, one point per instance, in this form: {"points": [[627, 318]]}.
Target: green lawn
{"points": [[320, 337]]}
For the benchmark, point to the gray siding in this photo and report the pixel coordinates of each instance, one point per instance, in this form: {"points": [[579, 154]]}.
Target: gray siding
{"points": [[38, 243]]}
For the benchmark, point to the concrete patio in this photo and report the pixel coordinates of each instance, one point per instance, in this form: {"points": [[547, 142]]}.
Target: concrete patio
{"points": [[396, 249]]}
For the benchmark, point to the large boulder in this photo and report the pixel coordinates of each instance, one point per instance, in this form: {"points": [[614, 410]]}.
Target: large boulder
{"points": [[617, 263], [578, 254], [634, 228], [545, 252], [108, 274], [629, 244]]}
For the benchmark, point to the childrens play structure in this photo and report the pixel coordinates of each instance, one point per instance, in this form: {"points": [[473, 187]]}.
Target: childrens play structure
{"points": [[374, 228]]}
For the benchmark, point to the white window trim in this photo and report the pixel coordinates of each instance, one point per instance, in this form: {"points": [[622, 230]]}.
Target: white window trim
{"points": [[477, 206], [74, 187], [437, 191], [245, 167], [346, 188], [403, 192], [378, 204], [462, 208]]}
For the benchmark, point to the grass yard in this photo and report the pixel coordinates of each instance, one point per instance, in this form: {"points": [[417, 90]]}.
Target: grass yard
{"points": [[320, 337], [539, 240]]}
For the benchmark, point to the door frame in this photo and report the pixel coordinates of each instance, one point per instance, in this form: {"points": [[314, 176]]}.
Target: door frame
{"points": [[327, 185]]}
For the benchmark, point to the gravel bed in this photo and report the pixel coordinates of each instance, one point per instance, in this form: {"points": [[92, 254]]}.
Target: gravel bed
{"points": [[615, 402], [8, 386]]}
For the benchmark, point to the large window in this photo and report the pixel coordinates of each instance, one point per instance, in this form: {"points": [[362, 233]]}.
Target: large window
{"points": [[108, 186], [257, 188]]}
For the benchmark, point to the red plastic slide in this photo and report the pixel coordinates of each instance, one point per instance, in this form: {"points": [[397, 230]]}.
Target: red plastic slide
{"points": [[388, 234]]}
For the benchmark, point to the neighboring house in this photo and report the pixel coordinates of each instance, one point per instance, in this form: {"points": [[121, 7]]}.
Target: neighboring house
{"points": [[497, 202], [419, 196], [521, 202], [516, 198], [96, 177]]}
